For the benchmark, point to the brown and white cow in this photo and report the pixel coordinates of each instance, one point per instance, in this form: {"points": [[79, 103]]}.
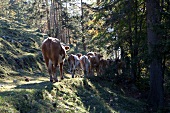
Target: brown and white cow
{"points": [[103, 65], [74, 63], [85, 65], [94, 63], [79, 55], [91, 54], [54, 54], [120, 65]]}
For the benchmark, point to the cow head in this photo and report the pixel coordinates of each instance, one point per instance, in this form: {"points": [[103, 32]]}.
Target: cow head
{"points": [[79, 55], [67, 48]]}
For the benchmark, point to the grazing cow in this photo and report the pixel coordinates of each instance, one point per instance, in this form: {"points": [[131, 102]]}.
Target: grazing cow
{"points": [[85, 65], [90, 54], [120, 65], [94, 63], [110, 62], [74, 63], [79, 55], [103, 65], [54, 54]]}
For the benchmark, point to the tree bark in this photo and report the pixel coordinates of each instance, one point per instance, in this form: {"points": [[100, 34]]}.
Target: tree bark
{"points": [[132, 64], [156, 98], [83, 37], [48, 19]]}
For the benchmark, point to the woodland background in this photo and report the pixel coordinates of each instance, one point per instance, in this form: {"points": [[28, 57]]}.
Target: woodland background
{"points": [[137, 31]]}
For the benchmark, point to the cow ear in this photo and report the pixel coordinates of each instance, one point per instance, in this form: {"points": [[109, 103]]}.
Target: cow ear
{"points": [[100, 55], [89, 56], [95, 53], [79, 55], [67, 48]]}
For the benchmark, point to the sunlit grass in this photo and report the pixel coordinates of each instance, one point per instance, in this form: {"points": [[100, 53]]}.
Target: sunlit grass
{"points": [[20, 57], [70, 95]]}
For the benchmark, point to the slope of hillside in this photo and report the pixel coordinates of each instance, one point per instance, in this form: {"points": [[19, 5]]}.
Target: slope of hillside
{"points": [[19, 48], [20, 57]]}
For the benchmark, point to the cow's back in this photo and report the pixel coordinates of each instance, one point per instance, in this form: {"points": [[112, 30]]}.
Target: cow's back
{"points": [[54, 54], [51, 48]]}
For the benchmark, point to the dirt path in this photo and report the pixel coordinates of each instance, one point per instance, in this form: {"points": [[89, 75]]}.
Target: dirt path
{"points": [[10, 83]]}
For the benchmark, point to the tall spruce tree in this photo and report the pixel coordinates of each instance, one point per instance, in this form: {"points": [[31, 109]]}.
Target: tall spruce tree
{"points": [[156, 95]]}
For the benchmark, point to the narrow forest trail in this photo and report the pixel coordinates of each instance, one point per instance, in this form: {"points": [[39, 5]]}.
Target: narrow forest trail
{"points": [[20, 57], [10, 83], [71, 95]]}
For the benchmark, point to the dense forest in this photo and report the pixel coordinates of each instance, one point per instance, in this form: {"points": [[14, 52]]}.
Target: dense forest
{"points": [[135, 31]]}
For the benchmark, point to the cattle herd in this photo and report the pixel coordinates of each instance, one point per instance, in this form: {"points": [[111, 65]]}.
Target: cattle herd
{"points": [[92, 63]]}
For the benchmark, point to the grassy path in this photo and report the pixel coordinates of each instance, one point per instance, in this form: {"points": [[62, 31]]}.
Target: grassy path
{"points": [[10, 83], [76, 95]]}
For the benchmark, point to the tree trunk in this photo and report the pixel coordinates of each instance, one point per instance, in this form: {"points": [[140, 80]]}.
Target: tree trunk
{"points": [[132, 64], [155, 98], [61, 30], [55, 20], [83, 37], [48, 19]]}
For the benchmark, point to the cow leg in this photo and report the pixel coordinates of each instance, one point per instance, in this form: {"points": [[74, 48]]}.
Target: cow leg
{"points": [[50, 70], [85, 73], [101, 70], [91, 70], [49, 65], [61, 71], [86, 70], [120, 71], [92, 73], [82, 67], [79, 71], [54, 72], [70, 65], [73, 73], [97, 71]]}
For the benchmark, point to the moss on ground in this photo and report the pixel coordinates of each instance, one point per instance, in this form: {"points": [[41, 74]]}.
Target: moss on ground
{"points": [[20, 57], [82, 95], [19, 48]]}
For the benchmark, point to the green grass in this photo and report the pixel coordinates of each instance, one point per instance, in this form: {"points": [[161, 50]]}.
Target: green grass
{"points": [[20, 57], [70, 95]]}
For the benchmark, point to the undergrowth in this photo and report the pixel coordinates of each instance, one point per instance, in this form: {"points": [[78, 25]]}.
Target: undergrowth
{"points": [[20, 56], [82, 95], [19, 48]]}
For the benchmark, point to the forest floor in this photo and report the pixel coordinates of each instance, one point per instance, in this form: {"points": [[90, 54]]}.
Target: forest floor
{"points": [[72, 95], [21, 58]]}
